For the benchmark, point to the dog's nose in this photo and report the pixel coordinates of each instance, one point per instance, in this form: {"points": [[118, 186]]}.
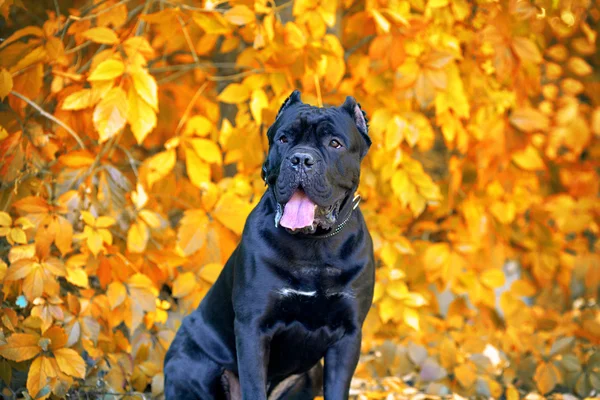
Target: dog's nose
{"points": [[302, 160]]}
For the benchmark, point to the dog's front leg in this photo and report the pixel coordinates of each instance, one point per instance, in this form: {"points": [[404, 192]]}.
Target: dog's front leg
{"points": [[340, 363], [252, 347]]}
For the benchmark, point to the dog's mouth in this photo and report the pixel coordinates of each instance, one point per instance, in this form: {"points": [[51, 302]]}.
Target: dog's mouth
{"points": [[301, 215]]}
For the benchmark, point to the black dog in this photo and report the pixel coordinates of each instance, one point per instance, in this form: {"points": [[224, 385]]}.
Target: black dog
{"points": [[299, 285]]}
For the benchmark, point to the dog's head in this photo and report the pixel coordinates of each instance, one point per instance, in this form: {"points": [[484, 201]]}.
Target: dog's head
{"points": [[313, 164]]}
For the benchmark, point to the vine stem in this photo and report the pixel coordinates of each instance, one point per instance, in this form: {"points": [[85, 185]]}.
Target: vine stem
{"points": [[50, 117]]}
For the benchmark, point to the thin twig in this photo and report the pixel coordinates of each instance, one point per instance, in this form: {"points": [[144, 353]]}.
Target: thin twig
{"points": [[189, 107], [89, 62], [234, 76], [318, 87], [57, 13], [50, 117], [92, 16], [188, 39], [81, 46]]}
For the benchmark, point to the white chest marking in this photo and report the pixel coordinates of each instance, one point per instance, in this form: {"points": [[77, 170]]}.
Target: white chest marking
{"points": [[288, 292]]}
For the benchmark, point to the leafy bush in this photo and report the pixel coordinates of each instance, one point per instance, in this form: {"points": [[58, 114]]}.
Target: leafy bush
{"points": [[131, 138]]}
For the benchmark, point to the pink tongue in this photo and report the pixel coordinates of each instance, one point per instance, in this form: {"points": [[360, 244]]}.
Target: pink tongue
{"points": [[299, 212]]}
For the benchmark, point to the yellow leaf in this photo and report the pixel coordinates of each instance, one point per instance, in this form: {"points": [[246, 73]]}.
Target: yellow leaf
{"points": [[17, 235], [529, 159], [110, 114], [397, 289], [40, 371], [145, 86], [79, 100], [234, 93], [106, 70], [104, 221], [232, 212], [207, 150], [579, 66], [546, 377], [387, 309], [198, 125], [523, 287], [258, 102], [512, 393], [3, 269], [184, 284], [437, 3], [70, 362], [137, 237], [394, 132], [6, 83], [212, 23], [381, 21], [20, 347], [141, 116], [197, 169], [5, 219], [527, 50], [191, 235], [239, 15], [466, 375], [492, 278], [529, 120], [210, 272], [78, 277], [56, 50], [160, 165], [293, 36], [411, 318], [21, 33], [94, 241], [116, 293], [101, 35], [151, 218]]}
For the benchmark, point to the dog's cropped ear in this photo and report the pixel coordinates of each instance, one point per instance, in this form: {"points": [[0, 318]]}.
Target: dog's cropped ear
{"points": [[359, 117], [292, 99]]}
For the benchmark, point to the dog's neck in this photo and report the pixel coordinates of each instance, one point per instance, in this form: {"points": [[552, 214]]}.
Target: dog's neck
{"points": [[349, 204]]}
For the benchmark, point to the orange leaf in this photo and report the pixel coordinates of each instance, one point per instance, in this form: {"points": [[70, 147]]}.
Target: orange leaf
{"points": [[191, 235], [20, 347], [40, 372], [101, 35], [235, 93], [527, 50], [70, 362], [116, 294], [528, 159], [184, 284], [160, 165], [6, 83], [79, 100], [239, 15], [529, 120], [106, 70], [110, 114], [210, 272], [232, 212]]}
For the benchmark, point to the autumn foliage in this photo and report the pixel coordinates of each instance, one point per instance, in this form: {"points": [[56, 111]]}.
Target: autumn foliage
{"points": [[131, 138]]}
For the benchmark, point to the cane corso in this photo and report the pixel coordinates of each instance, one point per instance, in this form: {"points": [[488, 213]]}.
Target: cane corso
{"points": [[300, 283]]}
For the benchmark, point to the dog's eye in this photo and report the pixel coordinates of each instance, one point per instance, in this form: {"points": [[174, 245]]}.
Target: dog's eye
{"points": [[335, 144], [283, 139]]}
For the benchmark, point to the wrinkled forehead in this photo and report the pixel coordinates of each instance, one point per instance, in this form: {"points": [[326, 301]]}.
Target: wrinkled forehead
{"points": [[304, 118]]}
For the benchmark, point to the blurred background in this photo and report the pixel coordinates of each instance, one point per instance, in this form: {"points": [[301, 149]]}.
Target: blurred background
{"points": [[131, 138]]}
